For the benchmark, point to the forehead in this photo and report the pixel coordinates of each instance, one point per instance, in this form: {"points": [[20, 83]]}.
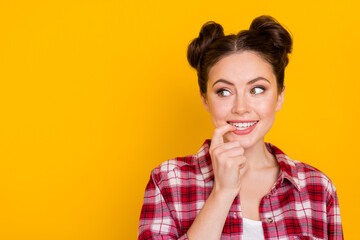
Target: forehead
{"points": [[241, 67]]}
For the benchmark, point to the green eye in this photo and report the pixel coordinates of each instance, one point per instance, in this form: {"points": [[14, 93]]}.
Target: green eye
{"points": [[257, 90], [223, 93]]}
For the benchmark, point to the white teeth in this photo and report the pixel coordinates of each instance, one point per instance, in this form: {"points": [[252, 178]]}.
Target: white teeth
{"points": [[242, 126]]}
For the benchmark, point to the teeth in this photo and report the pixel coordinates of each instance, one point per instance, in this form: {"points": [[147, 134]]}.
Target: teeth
{"points": [[242, 126]]}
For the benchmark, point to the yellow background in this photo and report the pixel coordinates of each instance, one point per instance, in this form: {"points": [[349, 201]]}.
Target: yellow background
{"points": [[95, 94]]}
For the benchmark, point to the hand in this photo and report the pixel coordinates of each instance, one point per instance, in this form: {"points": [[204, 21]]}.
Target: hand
{"points": [[227, 160]]}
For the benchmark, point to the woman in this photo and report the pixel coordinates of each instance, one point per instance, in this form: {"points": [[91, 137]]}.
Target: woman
{"points": [[237, 186]]}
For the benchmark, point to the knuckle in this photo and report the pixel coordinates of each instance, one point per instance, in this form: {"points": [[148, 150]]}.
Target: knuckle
{"points": [[242, 159], [216, 151], [217, 132], [241, 151]]}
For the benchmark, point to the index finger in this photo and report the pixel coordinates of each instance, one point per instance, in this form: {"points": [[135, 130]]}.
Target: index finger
{"points": [[218, 135]]}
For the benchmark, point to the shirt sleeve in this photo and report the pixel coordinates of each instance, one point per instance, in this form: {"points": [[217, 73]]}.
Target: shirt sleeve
{"points": [[335, 231], [156, 221]]}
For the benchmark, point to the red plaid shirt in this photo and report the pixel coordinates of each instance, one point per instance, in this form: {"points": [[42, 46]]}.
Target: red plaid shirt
{"points": [[302, 204]]}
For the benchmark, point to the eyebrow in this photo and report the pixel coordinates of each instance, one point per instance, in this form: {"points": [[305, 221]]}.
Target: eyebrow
{"points": [[249, 83]]}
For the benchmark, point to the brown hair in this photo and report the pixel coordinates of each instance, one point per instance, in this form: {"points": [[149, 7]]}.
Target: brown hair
{"points": [[265, 37]]}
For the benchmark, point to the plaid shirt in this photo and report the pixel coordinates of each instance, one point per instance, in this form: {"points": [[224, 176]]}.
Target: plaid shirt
{"points": [[302, 204]]}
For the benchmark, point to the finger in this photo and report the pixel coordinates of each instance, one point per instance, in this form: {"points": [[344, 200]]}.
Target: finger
{"points": [[242, 170], [241, 161], [218, 136], [232, 159], [228, 147], [237, 153]]}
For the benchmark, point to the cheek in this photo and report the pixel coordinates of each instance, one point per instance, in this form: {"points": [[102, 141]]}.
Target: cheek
{"points": [[266, 108], [219, 110], [268, 111]]}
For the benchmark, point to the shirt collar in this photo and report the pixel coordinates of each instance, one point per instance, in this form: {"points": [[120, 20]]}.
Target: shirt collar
{"points": [[287, 166]]}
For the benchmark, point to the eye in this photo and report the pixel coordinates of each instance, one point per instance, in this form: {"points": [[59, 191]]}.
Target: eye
{"points": [[257, 90], [223, 92]]}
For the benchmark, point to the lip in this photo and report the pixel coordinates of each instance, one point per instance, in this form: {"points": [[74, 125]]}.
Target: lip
{"points": [[245, 131], [242, 121]]}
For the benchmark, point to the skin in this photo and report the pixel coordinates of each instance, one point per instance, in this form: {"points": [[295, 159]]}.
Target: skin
{"points": [[241, 86]]}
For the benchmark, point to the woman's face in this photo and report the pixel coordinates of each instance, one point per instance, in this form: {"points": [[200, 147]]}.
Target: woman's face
{"points": [[242, 91]]}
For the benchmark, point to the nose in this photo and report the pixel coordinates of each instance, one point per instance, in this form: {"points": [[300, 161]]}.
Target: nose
{"points": [[240, 105]]}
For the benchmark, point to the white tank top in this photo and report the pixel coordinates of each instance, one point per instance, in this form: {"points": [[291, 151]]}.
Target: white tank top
{"points": [[253, 230]]}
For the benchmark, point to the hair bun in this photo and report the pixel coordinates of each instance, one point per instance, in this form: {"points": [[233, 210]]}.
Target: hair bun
{"points": [[209, 32], [268, 27]]}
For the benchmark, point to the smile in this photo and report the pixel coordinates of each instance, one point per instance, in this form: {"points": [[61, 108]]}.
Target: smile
{"points": [[242, 125]]}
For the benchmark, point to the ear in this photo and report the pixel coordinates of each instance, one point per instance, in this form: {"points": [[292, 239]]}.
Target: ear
{"points": [[205, 101], [280, 100]]}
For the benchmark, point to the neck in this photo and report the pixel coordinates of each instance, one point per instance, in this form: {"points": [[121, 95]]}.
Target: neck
{"points": [[259, 157]]}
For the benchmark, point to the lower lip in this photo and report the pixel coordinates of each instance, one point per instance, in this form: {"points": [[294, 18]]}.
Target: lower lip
{"points": [[245, 131]]}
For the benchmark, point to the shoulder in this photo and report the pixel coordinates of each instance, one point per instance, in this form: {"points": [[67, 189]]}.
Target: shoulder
{"points": [[312, 177], [301, 174], [179, 170], [177, 164]]}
